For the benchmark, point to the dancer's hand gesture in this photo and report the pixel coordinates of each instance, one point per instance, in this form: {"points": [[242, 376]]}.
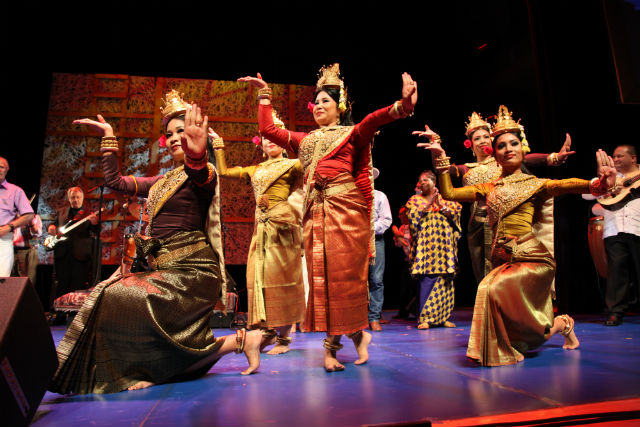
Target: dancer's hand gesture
{"points": [[254, 81], [100, 125], [434, 146], [409, 93], [194, 137]]}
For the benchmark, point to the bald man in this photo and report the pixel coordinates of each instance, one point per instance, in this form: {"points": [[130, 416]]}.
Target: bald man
{"points": [[15, 211]]}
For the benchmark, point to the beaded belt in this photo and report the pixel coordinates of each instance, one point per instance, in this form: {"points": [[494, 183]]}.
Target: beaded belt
{"points": [[332, 191], [176, 255]]}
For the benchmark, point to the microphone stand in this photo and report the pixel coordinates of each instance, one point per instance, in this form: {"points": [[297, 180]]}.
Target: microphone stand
{"points": [[97, 254]]}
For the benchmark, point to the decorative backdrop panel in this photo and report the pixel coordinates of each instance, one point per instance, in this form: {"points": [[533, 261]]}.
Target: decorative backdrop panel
{"points": [[131, 105]]}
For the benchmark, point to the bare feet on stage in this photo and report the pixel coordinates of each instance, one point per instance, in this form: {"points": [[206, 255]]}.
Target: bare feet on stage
{"points": [[140, 385], [279, 349], [564, 325], [448, 324], [423, 326], [252, 350], [331, 364], [362, 341]]}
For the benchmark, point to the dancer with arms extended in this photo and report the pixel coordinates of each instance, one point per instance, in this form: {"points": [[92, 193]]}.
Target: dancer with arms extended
{"points": [[275, 290], [513, 313], [152, 327], [337, 219]]}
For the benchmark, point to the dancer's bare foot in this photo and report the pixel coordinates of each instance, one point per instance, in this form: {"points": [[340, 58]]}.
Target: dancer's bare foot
{"points": [[252, 350], [279, 349], [570, 338], [448, 324], [140, 385], [361, 341], [423, 326], [519, 357], [331, 364]]}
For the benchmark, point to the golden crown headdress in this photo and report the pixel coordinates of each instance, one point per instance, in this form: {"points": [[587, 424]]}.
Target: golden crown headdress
{"points": [[276, 120], [174, 106], [505, 123], [329, 78], [476, 122]]}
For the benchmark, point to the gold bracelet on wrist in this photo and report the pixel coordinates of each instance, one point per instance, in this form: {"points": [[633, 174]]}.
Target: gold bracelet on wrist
{"points": [[217, 143], [264, 93], [109, 143], [442, 164]]}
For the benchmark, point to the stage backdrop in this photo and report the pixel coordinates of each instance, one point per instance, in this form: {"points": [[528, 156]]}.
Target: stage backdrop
{"points": [[131, 104]]}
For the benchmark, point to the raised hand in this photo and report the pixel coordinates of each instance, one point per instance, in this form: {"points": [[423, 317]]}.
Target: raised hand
{"points": [[565, 151], [100, 125], [194, 137], [212, 134], [254, 81], [434, 146], [409, 93], [606, 169]]}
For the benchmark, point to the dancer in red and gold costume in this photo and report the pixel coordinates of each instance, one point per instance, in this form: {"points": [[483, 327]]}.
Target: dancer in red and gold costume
{"points": [[513, 313], [152, 327], [337, 220], [275, 290]]}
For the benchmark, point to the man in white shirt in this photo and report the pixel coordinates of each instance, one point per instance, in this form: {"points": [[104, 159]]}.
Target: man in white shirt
{"points": [[382, 221], [622, 241]]}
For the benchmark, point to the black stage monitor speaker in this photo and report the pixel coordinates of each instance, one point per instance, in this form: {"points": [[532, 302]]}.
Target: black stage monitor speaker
{"points": [[27, 354]]}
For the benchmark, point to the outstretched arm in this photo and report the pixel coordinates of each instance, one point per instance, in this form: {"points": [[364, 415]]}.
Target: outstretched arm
{"points": [[135, 186], [221, 162]]}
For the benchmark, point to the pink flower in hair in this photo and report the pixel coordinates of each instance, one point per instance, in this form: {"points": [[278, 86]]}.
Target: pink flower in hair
{"points": [[162, 141], [488, 150], [311, 106], [467, 143], [257, 140]]}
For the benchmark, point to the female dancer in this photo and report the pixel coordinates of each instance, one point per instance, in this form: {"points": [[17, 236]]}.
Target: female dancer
{"points": [[153, 327], [485, 169], [275, 294], [513, 312], [338, 221], [435, 231]]}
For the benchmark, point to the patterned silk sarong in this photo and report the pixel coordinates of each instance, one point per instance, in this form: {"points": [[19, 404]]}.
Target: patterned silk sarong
{"points": [[336, 233], [274, 268], [164, 333], [513, 309]]}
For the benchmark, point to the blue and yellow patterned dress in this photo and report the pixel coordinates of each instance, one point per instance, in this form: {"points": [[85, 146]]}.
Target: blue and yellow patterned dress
{"points": [[434, 252]]}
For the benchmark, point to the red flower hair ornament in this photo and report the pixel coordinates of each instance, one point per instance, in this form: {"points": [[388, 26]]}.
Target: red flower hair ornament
{"points": [[467, 143], [162, 141], [311, 106], [488, 150], [257, 140]]}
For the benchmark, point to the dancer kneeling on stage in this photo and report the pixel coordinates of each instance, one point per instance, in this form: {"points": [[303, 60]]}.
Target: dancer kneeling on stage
{"points": [[513, 313], [153, 327]]}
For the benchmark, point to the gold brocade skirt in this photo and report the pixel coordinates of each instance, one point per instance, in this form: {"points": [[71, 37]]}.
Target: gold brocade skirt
{"points": [[480, 239], [336, 240], [513, 309], [151, 326], [274, 268]]}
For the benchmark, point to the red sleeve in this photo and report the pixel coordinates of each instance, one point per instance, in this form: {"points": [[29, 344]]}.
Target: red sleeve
{"points": [[284, 138], [138, 186], [370, 124]]}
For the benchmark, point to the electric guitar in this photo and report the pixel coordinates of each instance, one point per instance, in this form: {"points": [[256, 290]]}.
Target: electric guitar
{"points": [[51, 241], [626, 189]]}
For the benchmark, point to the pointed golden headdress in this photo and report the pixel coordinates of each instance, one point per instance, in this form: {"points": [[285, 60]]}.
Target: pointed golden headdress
{"points": [[505, 123], [174, 106], [476, 122], [276, 120], [329, 78]]}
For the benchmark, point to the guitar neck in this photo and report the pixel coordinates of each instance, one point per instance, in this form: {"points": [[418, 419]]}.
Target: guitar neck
{"points": [[71, 227]]}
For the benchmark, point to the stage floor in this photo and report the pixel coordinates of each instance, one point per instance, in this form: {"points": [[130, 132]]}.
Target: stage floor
{"points": [[412, 375]]}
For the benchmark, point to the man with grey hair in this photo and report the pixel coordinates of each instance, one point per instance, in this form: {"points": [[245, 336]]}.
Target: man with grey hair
{"points": [[15, 211]]}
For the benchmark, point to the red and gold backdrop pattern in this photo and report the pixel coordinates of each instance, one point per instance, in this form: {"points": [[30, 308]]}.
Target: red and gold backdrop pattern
{"points": [[131, 104]]}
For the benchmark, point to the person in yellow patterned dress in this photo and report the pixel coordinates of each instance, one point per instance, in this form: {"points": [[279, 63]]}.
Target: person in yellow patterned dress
{"points": [[275, 289], [435, 231], [513, 313]]}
